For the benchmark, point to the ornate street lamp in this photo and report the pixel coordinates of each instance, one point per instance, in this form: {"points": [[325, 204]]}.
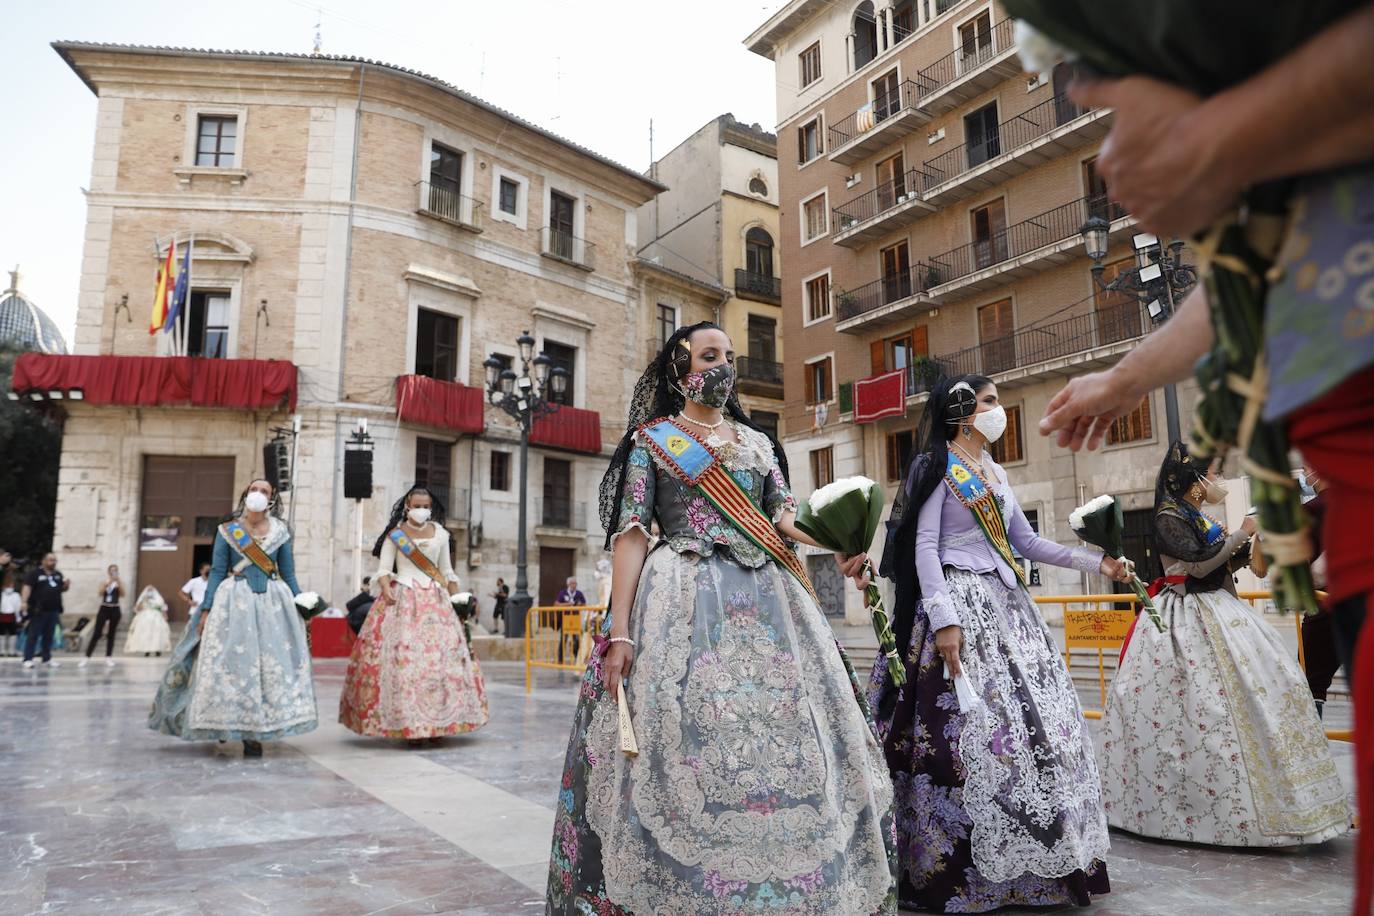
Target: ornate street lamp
{"points": [[523, 397], [1158, 281]]}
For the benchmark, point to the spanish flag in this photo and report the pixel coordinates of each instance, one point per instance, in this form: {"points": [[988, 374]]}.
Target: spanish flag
{"points": [[165, 273]]}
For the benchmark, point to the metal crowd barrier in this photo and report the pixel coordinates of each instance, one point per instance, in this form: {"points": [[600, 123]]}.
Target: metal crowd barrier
{"points": [[1104, 623], [559, 638]]}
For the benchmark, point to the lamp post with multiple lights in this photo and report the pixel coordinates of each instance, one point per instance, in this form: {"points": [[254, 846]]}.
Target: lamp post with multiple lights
{"points": [[524, 397]]}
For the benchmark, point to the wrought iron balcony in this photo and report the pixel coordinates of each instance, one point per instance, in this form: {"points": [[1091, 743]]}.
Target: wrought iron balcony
{"points": [[759, 376], [962, 74], [759, 287], [891, 115], [1019, 143], [1029, 246], [445, 204], [568, 248], [891, 204], [895, 298]]}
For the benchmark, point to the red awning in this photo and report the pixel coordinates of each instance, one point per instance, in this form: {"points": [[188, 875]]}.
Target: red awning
{"points": [[447, 405], [880, 396], [160, 381], [572, 428]]}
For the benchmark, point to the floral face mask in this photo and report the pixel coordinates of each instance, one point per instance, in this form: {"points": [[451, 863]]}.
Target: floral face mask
{"points": [[711, 388]]}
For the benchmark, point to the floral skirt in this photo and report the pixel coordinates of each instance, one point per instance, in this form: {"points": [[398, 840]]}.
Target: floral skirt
{"points": [[999, 806], [246, 678], [149, 633], [411, 674], [1210, 734], [758, 786]]}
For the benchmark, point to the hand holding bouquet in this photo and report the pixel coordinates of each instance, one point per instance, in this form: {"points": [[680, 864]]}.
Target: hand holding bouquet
{"points": [[843, 516], [1100, 524]]}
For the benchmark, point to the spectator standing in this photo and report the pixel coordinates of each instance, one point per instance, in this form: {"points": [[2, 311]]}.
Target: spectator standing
{"points": [[42, 600], [193, 592], [502, 593], [571, 594], [359, 605], [108, 616], [9, 618]]}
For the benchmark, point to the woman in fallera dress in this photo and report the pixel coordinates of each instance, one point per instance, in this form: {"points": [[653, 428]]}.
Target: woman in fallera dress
{"points": [[149, 632], [758, 786], [997, 805], [242, 670], [1210, 734], [412, 674]]}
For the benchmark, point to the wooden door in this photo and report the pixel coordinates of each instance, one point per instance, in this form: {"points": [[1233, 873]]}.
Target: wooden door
{"points": [[995, 328], [561, 224], [989, 226], [556, 564], [557, 493], [896, 272], [891, 182], [182, 503], [1095, 189], [982, 138]]}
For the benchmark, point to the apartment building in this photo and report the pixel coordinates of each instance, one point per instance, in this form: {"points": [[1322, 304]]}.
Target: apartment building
{"points": [[718, 223], [363, 237], [932, 196]]}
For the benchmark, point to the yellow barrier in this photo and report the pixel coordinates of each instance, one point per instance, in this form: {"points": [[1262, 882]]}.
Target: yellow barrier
{"points": [[1104, 625], [560, 638]]}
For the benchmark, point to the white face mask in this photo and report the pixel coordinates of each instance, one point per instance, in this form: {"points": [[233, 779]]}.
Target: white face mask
{"points": [[991, 423], [419, 516], [255, 501], [1215, 493]]}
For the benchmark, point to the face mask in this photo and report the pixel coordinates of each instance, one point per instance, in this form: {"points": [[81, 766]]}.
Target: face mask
{"points": [[1215, 492], [711, 388], [255, 501], [419, 516], [991, 423]]}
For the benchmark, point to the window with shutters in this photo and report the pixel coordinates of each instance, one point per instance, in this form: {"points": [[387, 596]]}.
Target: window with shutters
{"points": [[762, 338], [982, 137], [815, 218], [434, 466], [819, 380], [809, 62], [565, 356], [500, 471], [1136, 426], [900, 352], [975, 41], [1011, 448], [810, 140], [899, 446], [817, 295], [766, 420], [436, 345], [667, 322], [989, 230], [822, 466], [1118, 313], [996, 325]]}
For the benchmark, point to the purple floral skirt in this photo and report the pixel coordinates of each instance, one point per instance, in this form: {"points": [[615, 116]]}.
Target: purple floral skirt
{"points": [[1013, 781]]}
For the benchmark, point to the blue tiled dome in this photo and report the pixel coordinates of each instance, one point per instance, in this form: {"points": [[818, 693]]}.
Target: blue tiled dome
{"points": [[25, 325]]}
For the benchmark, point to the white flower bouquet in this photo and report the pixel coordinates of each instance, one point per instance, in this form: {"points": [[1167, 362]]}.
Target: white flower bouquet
{"points": [[464, 604], [1099, 522], [843, 516], [310, 604]]}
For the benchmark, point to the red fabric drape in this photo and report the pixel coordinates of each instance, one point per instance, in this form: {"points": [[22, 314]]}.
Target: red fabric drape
{"points": [[570, 427], [447, 405], [880, 396], [152, 381]]}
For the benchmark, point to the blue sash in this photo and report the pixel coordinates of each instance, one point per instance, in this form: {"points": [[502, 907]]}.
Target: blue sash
{"points": [[417, 556], [689, 458], [981, 501], [238, 537]]}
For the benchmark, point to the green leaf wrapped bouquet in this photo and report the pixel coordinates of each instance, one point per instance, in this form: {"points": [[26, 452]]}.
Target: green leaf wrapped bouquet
{"points": [[843, 516], [1100, 523]]}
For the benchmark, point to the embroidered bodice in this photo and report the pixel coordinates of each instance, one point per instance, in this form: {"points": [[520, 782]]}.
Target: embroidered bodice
{"points": [[1184, 551], [227, 561], [395, 564], [686, 519]]}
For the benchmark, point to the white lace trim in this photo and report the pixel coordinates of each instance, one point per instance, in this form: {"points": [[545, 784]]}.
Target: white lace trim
{"points": [[626, 528], [1086, 559]]}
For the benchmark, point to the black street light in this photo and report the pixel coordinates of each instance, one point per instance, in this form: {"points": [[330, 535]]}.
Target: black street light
{"points": [[523, 397], [1158, 281]]}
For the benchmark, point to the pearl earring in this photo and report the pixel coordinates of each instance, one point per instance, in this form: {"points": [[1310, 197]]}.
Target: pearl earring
{"points": [[967, 431]]}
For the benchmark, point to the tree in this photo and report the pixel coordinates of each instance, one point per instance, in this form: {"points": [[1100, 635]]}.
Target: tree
{"points": [[31, 450]]}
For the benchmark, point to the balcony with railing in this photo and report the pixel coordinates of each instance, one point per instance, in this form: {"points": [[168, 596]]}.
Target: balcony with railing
{"points": [[893, 299], [762, 377], [563, 246], [446, 205], [967, 72], [1018, 144], [759, 287], [559, 516], [1023, 248], [455, 500], [890, 116], [889, 206]]}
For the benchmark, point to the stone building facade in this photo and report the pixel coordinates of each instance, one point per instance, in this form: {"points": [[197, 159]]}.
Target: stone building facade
{"points": [[383, 233], [931, 200]]}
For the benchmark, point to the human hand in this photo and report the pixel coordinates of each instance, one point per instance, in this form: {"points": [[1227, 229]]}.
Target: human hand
{"points": [[1162, 159], [1122, 570], [948, 641], [1250, 525], [1085, 408], [853, 568], [616, 665]]}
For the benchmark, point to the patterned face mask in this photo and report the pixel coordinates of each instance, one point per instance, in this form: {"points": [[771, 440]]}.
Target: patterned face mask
{"points": [[711, 388]]}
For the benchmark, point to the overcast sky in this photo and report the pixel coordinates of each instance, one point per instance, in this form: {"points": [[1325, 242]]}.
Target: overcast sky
{"points": [[594, 71]]}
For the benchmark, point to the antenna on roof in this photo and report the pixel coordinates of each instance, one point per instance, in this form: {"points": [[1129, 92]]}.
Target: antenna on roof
{"points": [[557, 88], [653, 166], [319, 34]]}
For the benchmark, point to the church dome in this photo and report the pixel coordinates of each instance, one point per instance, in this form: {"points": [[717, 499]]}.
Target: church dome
{"points": [[24, 325]]}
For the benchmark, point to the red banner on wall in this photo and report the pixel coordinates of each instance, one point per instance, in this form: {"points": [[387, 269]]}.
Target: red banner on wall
{"points": [[447, 405], [160, 381], [880, 397]]}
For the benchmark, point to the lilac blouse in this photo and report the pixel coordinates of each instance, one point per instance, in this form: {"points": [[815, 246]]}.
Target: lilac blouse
{"points": [[948, 535]]}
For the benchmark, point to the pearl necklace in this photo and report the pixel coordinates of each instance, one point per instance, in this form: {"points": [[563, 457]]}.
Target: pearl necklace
{"points": [[710, 426]]}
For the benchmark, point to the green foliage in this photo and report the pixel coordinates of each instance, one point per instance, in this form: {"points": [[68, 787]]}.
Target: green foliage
{"points": [[30, 452]]}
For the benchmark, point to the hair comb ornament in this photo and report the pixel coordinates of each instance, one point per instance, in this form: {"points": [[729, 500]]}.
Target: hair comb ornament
{"points": [[962, 403]]}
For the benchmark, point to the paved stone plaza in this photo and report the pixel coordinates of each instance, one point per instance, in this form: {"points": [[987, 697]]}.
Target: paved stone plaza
{"points": [[102, 816]]}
